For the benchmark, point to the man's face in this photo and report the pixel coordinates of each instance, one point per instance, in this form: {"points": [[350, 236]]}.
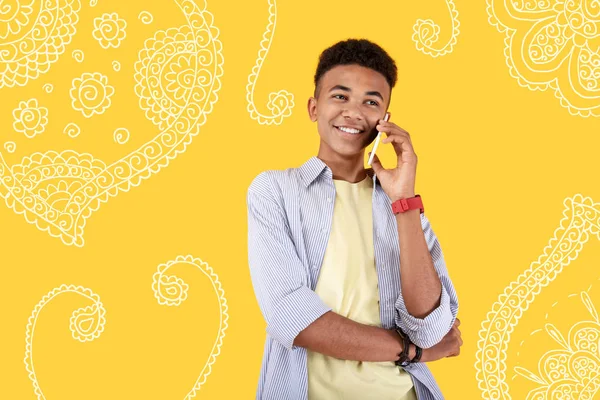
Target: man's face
{"points": [[349, 97]]}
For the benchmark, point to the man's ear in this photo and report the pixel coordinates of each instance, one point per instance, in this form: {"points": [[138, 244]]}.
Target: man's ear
{"points": [[312, 109]]}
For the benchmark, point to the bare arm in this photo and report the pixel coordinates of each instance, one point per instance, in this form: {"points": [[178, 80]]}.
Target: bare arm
{"points": [[427, 305], [421, 286], [337, 336]]}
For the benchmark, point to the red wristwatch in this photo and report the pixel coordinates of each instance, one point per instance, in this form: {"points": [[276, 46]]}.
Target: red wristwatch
{"points": [[412, 203]]}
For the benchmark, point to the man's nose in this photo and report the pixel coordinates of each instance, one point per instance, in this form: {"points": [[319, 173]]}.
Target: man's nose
{"points": [[352, 112]]}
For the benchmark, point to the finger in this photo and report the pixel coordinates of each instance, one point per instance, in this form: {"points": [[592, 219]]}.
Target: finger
{"points": [[397, 134], [391, 136], [389, 126], [376, 164], [457, 322], [400, 142], [383, 125], [392, 130], [401, 145]]}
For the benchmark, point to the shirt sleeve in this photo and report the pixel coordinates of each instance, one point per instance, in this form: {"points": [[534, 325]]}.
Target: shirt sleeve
{"points": [[279, 279], [427, 332]]}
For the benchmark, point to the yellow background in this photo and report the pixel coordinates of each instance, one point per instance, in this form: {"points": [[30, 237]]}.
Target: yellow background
{"points": [[496, 162]]}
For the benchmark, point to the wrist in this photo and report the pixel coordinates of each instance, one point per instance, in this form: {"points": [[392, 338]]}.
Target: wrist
{"points": [[402, 195], [426, 355]]}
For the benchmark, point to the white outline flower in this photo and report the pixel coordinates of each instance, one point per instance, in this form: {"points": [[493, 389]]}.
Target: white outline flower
{"points": [[91, 94], [30, 118], [109, 30]]}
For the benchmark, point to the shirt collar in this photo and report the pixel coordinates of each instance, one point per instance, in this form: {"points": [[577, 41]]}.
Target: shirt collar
{"points": [[314, 167]]}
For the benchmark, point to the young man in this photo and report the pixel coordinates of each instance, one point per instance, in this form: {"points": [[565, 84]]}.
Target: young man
{"points": [[350, 279]]}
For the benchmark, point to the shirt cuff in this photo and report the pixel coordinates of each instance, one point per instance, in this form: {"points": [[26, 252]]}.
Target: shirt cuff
{"points": [[293, 314], [429, 331]]}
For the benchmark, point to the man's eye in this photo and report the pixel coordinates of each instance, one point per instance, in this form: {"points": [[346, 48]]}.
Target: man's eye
{"points": [[374, 102], [339, 95]]}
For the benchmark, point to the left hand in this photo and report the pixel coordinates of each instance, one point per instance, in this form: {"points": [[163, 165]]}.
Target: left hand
{"points": [[398, 182]]}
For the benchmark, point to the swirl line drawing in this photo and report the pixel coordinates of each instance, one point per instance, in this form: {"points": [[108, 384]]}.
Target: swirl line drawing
{"points": [[171, 291], [280, 103], [426, 34], [86, 324]]}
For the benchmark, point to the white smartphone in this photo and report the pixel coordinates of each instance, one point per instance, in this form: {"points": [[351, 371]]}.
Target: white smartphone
{"points": [[386, 118]]}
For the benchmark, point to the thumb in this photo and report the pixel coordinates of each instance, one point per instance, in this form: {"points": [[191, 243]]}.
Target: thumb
{"points": [[376, 164]]}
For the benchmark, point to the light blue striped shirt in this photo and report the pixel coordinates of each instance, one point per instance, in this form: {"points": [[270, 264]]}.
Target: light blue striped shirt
{"points": [[289, 218]]}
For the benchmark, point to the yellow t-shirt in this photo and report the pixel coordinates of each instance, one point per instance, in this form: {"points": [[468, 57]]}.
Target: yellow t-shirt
{"points": [[348, 284]]}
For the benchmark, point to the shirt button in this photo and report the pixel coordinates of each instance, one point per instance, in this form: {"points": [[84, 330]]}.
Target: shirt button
{"points": [[329, 199], [313, 266], [323, 230]]}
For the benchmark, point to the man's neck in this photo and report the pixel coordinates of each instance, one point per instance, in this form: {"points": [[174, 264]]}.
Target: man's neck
{"points": [[346, 169]]}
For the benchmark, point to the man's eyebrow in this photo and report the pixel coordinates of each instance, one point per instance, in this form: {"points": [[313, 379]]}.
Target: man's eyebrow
{"points": [[347, 89]]}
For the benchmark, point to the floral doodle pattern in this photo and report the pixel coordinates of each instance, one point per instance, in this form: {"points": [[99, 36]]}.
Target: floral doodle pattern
{"points": [[33, 34], [109, 30], [573, 370], [581, 219], [190, 55], [91, 93], [553, 45], [30, 118]]}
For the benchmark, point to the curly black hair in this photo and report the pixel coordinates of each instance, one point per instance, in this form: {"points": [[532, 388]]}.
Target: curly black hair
{"points": [[356, 51]]}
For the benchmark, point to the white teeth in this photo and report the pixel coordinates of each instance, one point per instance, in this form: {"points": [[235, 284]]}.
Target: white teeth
{"points": [[348, 130]]}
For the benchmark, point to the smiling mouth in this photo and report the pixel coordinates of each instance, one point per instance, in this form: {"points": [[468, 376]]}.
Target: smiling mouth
{"points": [[348, 131]]}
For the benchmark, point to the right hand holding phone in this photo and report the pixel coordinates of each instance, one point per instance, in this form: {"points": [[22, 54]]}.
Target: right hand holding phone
{"points": [[449, 346]]}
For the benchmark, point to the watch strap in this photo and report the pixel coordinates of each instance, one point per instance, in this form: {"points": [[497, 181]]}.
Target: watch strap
{"points": [[411, 203]]}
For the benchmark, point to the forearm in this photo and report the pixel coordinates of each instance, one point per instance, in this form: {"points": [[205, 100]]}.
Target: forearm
{"points": [[420, 284], [340, 337]]}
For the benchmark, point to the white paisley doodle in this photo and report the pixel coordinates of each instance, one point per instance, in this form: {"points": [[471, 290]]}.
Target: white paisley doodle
{"points": [[170, 290], [29, 118], [91, 93], [581, 219], [109, 30], [48, 88], [572, 371], [553, 45], [33, 34], [195, 45], [116, 65], [280, 103], [86, 324], [426, 34]]}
